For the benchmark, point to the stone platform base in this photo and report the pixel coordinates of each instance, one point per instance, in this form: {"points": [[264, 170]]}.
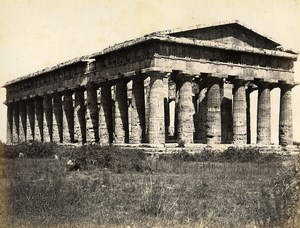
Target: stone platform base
{"points": [[196, 148]]}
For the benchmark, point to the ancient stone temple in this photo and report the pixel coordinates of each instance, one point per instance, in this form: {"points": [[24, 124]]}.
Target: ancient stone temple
{"points": [[184, 85]]}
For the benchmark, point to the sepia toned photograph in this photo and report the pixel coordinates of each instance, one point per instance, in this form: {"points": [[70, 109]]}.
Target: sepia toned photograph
{"points": [[163, 113]]}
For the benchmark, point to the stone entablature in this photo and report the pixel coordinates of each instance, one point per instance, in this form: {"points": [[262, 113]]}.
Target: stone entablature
{"points": [[159, 88]]}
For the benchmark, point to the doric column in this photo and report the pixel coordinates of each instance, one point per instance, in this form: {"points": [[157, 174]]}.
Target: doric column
{"points": [[92, 114], [68, 117], [57, 118], [9, 131], [226, 113], [248, 114], [285, 115], [38, 119], [239, 112], [15, 129], [202, 102], [213, 121], [30, 120], [264, 114], [137, 133], [47, 118], [172, 105], [121, 113], [22, 121], [105, 114], [156, 127], [185, 129], [79, 117]]}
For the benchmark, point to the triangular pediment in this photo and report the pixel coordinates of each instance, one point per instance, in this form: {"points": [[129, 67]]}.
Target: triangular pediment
{"points": [[233, 33]]}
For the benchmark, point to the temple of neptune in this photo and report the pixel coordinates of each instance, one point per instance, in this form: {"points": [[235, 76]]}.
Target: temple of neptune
{"points": [[180, 86]]}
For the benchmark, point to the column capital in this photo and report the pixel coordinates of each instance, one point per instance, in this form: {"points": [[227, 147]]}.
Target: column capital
{"points": [[284, 85], [265, 84], [157, 73]]}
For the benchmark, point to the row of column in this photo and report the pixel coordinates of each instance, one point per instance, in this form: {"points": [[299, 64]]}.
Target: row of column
{"points": [[89, 115]]}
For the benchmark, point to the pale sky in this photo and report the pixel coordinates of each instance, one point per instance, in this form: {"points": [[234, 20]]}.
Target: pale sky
{"points": [[35, 34]]}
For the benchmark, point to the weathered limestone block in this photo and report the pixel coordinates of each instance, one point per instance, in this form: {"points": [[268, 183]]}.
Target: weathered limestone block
{"points": [[105, 115], [57, 118], [202, 102], [121, 113], [30, 120], [239, 112], [9, 131], [68, 117], [38, 119], [47, 118], [92, 114], [156, 128], [185, 130], [15, 129], [213, 121], [286, 116], [137, 133], [264, 114], [22, 121], [79, 117], [226, 113]]}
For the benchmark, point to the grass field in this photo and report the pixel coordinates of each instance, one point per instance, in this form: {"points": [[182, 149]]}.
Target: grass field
{"points": [[168, 193]]}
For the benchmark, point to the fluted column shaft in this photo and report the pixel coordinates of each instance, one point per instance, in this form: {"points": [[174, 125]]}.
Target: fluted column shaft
{"points": [[79, 117], [202, 113], [47, 118], [121, 113], [57, 118], [15, 128], [137, 133], [239, 112], [264, 114], [286, 116], [30, 120], [9, 131], [105, 115], [68, 117], [185, 129], [22, 121], [156, 128], [92, 114], [248, 91], [213, 121], [38, 119]]}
